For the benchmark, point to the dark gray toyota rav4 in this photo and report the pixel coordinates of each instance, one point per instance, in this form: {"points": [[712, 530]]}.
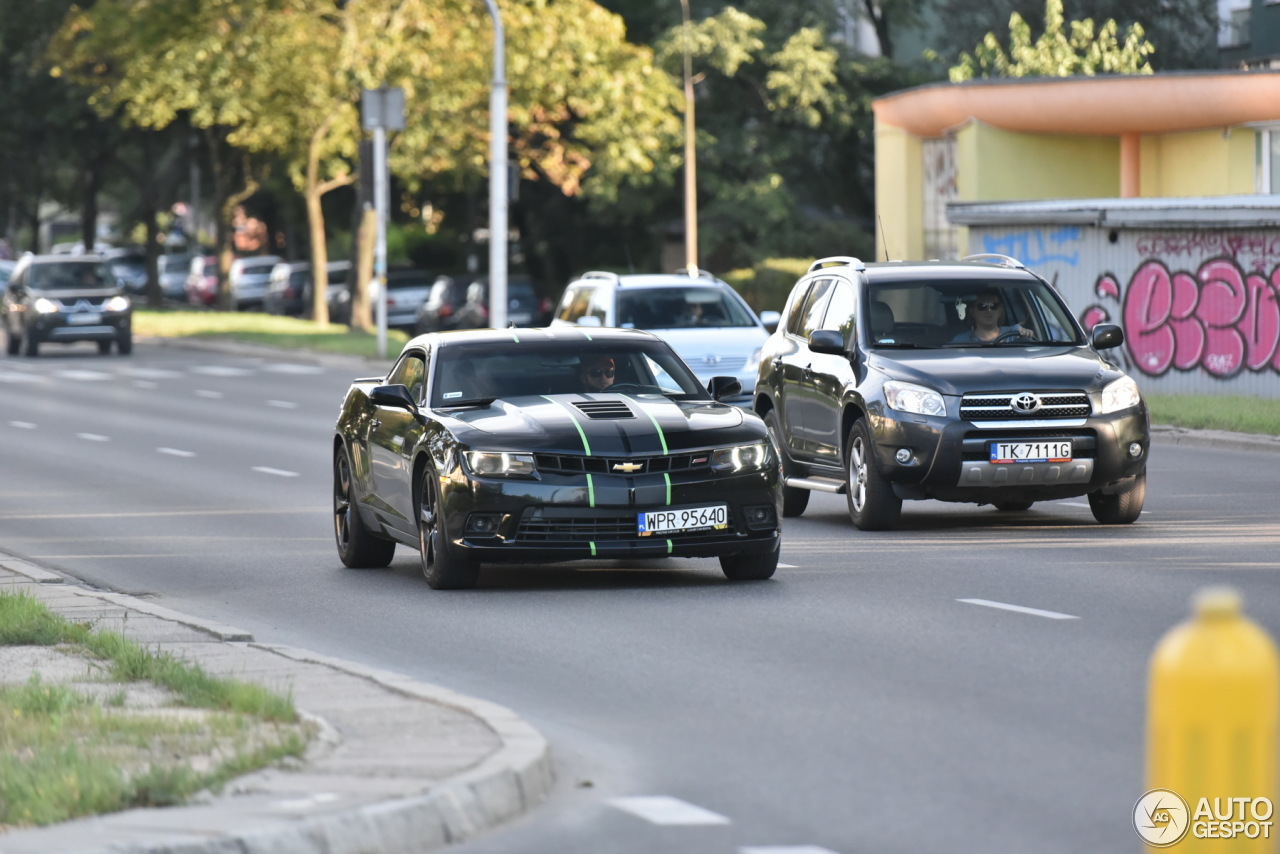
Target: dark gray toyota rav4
{"points": [[961, 381]]}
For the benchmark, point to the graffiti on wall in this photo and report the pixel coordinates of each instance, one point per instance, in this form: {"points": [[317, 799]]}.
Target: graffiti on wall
{"points": [[1220, 319], [1034, 247]]}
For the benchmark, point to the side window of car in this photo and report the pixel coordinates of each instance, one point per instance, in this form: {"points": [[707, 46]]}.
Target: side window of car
{"points": [[839, 315], [576, 301], [814, 306], [600, 304], [410, 373], [794, 308]]}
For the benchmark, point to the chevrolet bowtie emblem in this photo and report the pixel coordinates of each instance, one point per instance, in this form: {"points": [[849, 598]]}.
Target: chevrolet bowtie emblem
{"points": [[628, 467]]}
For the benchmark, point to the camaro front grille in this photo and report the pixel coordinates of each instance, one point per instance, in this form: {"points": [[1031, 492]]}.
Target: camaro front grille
{"points": [[538, 526], [1002, 406], [575, 464]]}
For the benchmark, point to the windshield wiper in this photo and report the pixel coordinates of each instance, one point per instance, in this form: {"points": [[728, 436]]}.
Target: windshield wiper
{"points": [[475, 401]]}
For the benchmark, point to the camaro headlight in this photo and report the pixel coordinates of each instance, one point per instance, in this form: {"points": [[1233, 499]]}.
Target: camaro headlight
{"points": [[118, 303], [494, 463], [45, 306], [1121, 394], [907, 397], [743, 458]]}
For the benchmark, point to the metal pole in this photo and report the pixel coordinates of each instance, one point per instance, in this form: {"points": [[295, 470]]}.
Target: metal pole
{"points": [[498, 176], [690, 158], [380, 248]]}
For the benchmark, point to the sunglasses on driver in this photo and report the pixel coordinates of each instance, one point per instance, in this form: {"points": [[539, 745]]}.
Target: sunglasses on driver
{"points": [[597, 373]]}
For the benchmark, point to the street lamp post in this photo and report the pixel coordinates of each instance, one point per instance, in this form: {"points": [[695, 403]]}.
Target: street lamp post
{"points": [[498, 175], [381, 109], [690, 161]]}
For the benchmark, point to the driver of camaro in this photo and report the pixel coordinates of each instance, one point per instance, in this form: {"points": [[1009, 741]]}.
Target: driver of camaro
{"points": [[985, 314], [596, 372]]}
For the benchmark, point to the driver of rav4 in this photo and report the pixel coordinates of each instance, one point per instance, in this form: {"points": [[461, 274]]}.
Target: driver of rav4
{"points": [[596, 372], [985, 314]]}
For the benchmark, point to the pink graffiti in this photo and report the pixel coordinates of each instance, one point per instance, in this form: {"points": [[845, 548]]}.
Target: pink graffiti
{"points": [[1107, 286], [1219, 319]]}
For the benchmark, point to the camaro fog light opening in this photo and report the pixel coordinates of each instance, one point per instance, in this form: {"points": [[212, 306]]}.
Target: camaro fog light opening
{"points": [[903, 456], [1135, 450], [760, 516], [1120, 395], [500, 464], [483, 524], [743, 458], [908, 397]]}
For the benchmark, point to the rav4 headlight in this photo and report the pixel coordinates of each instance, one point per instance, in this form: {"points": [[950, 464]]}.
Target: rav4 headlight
{"points": [[743, 458], [1119, 395], [907, 397], [498, 464], [45, 306]]}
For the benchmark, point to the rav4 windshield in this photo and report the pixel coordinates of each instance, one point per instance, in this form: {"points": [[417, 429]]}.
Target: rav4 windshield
{"points": [[70, 276], [679, 308], [966, 313]]}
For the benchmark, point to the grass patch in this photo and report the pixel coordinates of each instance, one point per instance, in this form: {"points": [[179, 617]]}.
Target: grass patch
{"points": [[64, 753], [1205, 412], [254, 328]]}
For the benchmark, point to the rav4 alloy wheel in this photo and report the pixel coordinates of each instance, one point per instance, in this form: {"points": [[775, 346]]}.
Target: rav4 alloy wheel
{"points": [[358, 548], [873, 506], [442, 569]]}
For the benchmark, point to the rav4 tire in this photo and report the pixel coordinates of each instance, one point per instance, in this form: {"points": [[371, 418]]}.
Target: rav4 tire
{"points": [[794, 500], [873, 506], [358, 548], [442, 568], [749, 567], [1122, 509]]}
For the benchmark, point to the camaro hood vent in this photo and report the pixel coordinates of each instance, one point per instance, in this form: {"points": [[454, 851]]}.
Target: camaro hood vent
{"points": [[606, 409]]}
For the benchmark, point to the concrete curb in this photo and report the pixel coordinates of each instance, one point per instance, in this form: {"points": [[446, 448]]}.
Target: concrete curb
{"points": [[1165, 434], [240, 348]]}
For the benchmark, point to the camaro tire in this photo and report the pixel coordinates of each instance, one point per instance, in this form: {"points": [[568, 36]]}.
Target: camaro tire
{"points": [[1122, 509], [358, 548], [1012, 506], [442, 568], [749, 567], [794, 500], [873, 506]]}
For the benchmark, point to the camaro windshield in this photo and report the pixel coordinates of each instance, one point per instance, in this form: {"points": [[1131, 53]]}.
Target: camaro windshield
{"points": [[971, 313], [466, 373], [679, 308]]}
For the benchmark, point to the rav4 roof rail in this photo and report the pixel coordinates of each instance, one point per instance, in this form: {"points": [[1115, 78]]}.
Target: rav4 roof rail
{"points": [[1002, 260], [838, 261]]}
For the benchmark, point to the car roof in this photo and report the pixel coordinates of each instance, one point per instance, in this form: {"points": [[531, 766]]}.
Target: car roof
{"points": [[632, 280], [590, 335], [66, 259], [896, 271]]}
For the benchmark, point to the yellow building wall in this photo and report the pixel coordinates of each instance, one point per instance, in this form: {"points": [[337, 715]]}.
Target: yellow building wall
{"points": [[899, 193], [998, 165], [1198, 163]]}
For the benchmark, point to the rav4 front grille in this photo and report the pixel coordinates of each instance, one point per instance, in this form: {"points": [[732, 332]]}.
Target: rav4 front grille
{"points": [[574, 464], [1035, 406]]}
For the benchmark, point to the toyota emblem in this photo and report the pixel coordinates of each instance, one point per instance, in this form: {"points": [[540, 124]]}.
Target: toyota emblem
{"points": [[711, 360], [1026, 403]]}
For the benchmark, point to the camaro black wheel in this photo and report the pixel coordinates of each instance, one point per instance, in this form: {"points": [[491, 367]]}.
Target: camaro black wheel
{"points": [[1121, 509], [1012, 506], [357, 547], [749, 567], [872, 504], [442, 569], [794, 500]]}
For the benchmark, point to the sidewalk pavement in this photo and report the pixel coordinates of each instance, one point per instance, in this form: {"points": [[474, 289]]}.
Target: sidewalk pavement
{"points": [[398, 766], [1167, 435]]}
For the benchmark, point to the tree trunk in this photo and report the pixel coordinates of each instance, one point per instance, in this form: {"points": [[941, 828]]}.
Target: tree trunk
{"points": [[880, 21], [366, 237], [89, 210], [154, 296], [319, 259]]}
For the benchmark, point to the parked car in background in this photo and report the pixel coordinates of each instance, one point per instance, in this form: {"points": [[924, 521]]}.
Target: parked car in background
{"points": [[129, 266], [440, 310], [202, 280], [65, 298], [703, 319], [524, 306], [336, 294], [249, 278], [173, 275], [285, 288], [6, 269], [407, 289]]}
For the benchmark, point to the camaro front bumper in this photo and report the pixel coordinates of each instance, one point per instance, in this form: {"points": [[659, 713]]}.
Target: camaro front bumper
{"points": [[572, 517]]}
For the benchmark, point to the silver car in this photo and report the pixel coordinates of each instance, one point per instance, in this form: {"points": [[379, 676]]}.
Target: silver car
{"points": [[702, 318], [250, 278]]}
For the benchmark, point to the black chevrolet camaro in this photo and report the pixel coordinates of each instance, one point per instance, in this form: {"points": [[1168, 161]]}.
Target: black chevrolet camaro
{"points": [[501, 445]]}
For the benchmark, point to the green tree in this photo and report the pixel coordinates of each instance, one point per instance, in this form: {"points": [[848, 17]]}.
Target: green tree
{"points": [[1055, 54]]}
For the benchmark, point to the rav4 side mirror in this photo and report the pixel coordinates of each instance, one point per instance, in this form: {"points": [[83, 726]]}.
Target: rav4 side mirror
{"points": [[1107, 335], [827, 341], [393, 395], [722, 387]]}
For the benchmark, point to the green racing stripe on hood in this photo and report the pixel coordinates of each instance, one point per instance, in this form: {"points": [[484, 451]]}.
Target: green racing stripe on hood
{"points": [[586, 446]]}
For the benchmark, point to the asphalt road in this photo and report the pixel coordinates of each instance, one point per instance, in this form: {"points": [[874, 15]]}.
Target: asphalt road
{"points": [[853, 703]]}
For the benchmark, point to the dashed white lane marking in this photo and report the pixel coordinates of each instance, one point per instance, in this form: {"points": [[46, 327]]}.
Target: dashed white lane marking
{"points": [[144, 384], [661, 809], [14, 377], [286, 368], [212, 395], [276, 472], [22, 425], [785, 849], [220, 371], [150, 373], [282, 404], [175, 452], [787, 566], [94, 437], [1003, 606], [84, 376]]}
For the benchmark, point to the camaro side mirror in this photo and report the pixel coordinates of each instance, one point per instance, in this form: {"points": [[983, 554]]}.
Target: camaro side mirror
{"points": [[770, 320], [1106, 336], [722, 387], [827, 341], [393, 395]]}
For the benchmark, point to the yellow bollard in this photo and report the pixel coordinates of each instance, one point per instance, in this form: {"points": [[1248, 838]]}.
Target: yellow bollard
{"points": [[1212, 718]]}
